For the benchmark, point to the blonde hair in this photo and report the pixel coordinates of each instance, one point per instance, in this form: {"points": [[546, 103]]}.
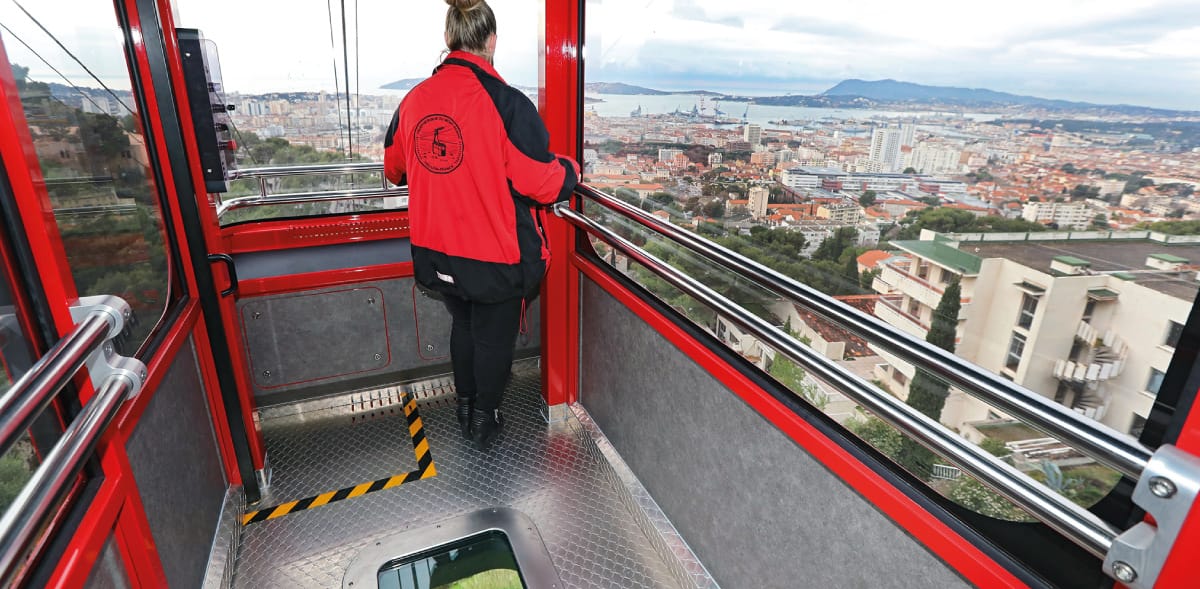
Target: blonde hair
{"points": [[469, 23]]}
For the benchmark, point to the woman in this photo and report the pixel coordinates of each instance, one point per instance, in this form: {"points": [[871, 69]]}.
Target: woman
{"points": [[476, 158]]}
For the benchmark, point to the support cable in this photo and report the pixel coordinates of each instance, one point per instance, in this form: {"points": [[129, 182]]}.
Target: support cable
{"points": [[51, 66], [337, 102], [346, 73], [72, 56]]}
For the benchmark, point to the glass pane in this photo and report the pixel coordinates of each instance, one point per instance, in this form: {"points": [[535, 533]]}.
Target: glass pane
{"points": [[18, 464], [109, 571], [1047, 239], [16, 467], [74, 86], [329, 99], [485, 561]]}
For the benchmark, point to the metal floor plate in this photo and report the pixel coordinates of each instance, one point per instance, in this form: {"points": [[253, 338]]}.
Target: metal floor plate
{"points": [[593, 528]]}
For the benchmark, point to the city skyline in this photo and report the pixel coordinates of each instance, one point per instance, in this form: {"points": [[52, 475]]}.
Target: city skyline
{"points": [[1107, 52]]}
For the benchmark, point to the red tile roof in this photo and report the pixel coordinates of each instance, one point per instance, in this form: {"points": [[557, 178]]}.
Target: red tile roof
{"points": [[872, 258]]}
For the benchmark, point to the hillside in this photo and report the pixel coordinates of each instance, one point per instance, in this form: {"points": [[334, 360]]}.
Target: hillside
{"points": [[894, 91], [405, 84]]}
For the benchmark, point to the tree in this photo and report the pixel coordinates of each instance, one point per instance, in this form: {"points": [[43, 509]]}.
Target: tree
{"points": [[793, 377], [1136, 183], [945, 220], [714, 209], [20, 74], [1172, 227], [102, 136], [909, 170], [851, 269], [1100, 221], [738, 213], [971, 494], [927, 393], [868, 198], [1070, 168], [831, 249], [866, 279], [1085, 191], [662, 198]]}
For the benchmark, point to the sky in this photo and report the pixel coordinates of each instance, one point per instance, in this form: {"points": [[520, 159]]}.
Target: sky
{"points": [[1144, 52]]}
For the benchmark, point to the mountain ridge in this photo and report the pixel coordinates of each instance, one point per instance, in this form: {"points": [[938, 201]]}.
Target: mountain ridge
{"points": [[857, 93]]}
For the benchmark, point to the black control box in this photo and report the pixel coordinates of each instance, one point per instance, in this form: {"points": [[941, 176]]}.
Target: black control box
{"points": [[210, 113]]}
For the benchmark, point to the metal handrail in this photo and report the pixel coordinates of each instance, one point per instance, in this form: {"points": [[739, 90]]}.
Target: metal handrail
{"points": [[242, 202], [33, 392], [1098, 441], [29, 513], [307, 170], [265, 198], [1074, 522], [26, 521]]}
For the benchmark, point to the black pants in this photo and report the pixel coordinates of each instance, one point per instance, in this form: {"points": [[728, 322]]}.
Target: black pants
{"points": [[481, 347]]}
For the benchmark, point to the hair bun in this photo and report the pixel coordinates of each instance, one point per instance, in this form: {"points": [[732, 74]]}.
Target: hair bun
{"points": [[463, 4]]}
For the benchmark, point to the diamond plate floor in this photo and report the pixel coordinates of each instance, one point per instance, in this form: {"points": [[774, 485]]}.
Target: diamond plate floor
{"points": [[554, 473]]}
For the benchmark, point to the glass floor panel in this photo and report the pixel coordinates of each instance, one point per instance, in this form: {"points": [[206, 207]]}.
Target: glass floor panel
{"points": [[485, 561]]}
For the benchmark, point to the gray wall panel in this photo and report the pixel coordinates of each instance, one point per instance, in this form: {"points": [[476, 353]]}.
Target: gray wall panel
{"points": [[178, 471], [756, 508], [291, 347], [288, 332]]}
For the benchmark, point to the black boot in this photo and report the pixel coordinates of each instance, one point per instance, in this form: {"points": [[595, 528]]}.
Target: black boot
{"points": [[466, 407], [485, 427]]}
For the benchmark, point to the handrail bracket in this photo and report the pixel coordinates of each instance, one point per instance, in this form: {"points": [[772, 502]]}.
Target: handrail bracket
{"points": [[1167, 490], [106, 362]]}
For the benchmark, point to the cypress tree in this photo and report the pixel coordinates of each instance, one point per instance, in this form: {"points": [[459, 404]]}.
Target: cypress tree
{"points": [[927, 393]]}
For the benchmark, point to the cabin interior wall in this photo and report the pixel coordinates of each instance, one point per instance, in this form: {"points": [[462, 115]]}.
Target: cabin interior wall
{"points": [[326, 341], [756, 508], [177, 468]]}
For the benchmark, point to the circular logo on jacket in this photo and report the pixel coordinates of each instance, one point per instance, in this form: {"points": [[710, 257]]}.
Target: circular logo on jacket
{"points": [[438, 143]]}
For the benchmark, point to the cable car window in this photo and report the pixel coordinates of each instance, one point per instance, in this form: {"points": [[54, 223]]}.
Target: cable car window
{"points": [[320, 86], [74, 85], [753, 126]]}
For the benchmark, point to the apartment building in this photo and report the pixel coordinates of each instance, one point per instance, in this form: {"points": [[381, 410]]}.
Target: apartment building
{"points": [[1066, 215], [885, 148], [1087, 319], [759, 197], [928, 158], [752, 134], [846, 213], [816, 232]]}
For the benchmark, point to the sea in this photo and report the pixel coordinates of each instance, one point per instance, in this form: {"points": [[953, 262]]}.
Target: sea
{"points": [[621, 105]]}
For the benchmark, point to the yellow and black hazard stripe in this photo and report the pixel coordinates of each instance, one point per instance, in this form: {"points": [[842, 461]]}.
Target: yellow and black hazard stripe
{"points": [[425, 469]]}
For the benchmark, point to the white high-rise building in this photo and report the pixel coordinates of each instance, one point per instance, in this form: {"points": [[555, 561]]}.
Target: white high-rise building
{"points": [[758, 201], [885, 148], [752, 134], [935, 159], [908, 135]]}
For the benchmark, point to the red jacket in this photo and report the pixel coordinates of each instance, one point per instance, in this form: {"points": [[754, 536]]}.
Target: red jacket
{"points": [[477, 161]]}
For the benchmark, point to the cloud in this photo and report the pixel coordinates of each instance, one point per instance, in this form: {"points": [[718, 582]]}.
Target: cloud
{"points": [[690, 10], [1137, 51], [1129, 51]]}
